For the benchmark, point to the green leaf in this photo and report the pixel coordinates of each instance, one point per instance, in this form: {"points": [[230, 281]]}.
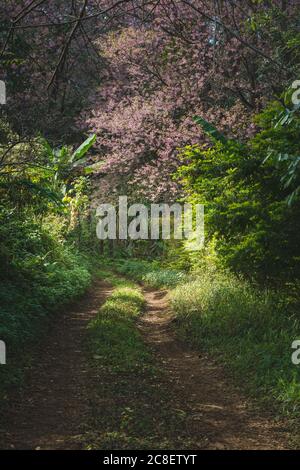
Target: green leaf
{"points": [[88, 170], [210, 130], [47, 147], [34, 188], [84, 148]]}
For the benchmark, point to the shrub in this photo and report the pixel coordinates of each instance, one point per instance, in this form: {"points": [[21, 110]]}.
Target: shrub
{"points": [[39, 273], [248, 329], [251, 196]]}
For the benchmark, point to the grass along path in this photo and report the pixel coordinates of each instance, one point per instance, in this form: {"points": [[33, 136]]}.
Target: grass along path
{"points": [[248, 331], [118, 378]]}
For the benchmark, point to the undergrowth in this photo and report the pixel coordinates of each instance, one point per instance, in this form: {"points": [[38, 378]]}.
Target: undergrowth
{"points": [[249, 330], [40, 272]]}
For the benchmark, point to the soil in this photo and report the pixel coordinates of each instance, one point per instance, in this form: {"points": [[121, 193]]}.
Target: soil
{"points": [[53, 405], [56, 400], [215, 408]]}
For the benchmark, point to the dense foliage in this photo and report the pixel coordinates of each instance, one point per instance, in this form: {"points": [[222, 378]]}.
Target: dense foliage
{"points": [[250, 331], [43, 229], [250, 194]]}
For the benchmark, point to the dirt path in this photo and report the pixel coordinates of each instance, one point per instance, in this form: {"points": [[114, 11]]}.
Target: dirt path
{"points": [[54, 408], [214, 408]]}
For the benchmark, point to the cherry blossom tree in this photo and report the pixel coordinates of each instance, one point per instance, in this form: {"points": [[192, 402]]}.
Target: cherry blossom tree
{"points": [[171, 62], [149, 67]]}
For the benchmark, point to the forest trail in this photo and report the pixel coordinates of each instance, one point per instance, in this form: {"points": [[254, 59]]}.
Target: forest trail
{"points": [[214, 408], [53, 409]]}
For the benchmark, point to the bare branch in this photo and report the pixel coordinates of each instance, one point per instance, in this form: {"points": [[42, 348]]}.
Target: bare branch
{"points": [[237, 36]]}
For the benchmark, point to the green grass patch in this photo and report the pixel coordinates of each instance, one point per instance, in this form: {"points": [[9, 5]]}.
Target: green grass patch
{"points": [[150, 273], [109, 276], [114, 340], [249, 330], [133, 408]]}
